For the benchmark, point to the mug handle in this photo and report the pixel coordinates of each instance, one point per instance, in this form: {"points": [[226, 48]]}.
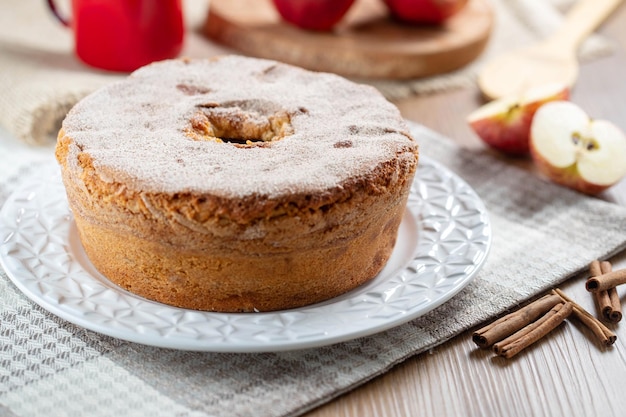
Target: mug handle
{"points": [[53, 7]]}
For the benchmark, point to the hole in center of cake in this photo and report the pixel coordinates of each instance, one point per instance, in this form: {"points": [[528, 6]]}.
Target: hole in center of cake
{"points": [[240, 123]]}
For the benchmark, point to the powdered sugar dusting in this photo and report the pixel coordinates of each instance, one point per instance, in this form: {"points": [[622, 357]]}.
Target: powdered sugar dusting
{"points": [[134, 130]]}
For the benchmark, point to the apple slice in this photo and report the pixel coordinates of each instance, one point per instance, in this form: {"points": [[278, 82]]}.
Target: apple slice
{"points": [[576, 151], [504, 124]]}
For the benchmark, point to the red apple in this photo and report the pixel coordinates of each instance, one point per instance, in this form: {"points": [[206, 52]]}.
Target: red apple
{"points": [[576, 151], [319, 15], [504, 124], [424, 11]]}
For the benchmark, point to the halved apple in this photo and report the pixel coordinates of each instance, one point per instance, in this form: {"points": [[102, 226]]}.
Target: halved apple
{"points": [[576, 151], [504, 124]]}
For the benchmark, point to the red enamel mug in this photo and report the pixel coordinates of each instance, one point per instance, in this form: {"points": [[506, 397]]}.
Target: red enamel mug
{"points": [[123, 35]]}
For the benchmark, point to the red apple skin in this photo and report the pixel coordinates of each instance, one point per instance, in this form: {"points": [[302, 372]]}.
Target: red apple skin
{"points": [[424, 11], [567, 177], [319, 15], [509, 132]]}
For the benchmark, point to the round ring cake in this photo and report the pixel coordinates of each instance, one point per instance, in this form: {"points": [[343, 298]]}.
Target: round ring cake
{"points": [[236, 184]]}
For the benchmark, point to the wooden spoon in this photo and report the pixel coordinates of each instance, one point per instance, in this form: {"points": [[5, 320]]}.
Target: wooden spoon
{"points": [[552, 60]]}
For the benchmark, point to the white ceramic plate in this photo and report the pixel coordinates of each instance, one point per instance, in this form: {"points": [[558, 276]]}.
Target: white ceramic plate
{"points": [[443, 241]]}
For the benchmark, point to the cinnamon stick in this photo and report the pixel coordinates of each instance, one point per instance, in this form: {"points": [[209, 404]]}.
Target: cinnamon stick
{"points": [[605, 281], [615, 314], [527, 336], [497, 347], [595, 268], [604, 335], [612, 311], [603, 300], [511, 323]]}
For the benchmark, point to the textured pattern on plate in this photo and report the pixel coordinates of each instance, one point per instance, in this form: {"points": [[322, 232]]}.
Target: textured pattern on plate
{"points": [[443, 241]]}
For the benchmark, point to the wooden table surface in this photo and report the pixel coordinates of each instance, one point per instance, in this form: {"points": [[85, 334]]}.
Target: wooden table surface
{"points": [[564, 374]]}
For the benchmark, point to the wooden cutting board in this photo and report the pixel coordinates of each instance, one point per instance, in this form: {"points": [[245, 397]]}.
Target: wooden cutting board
{"points": [[368, 43]]}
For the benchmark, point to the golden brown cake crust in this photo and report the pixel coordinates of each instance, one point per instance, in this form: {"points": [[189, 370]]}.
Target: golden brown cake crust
{"points": [[268, 243]]}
